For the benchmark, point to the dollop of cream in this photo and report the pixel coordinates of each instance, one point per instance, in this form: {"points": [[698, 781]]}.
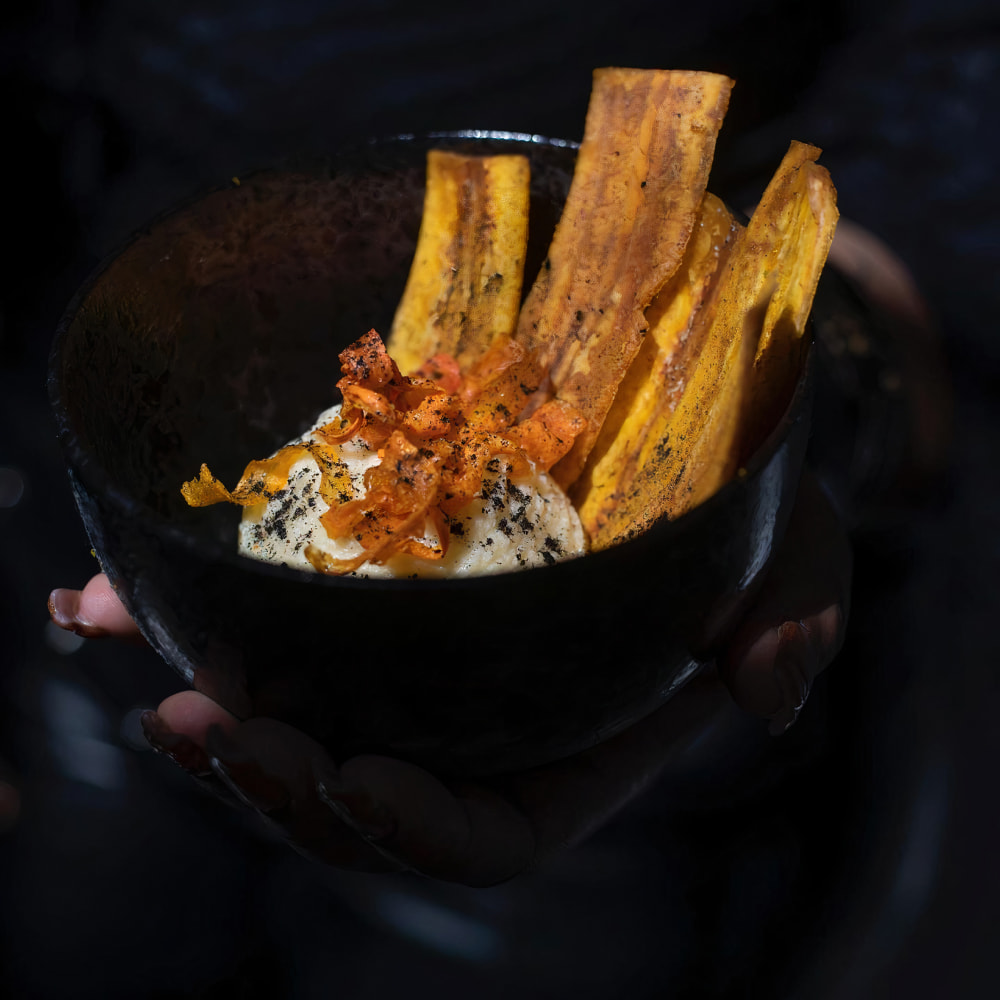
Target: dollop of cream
{"points": [[515, 523]]}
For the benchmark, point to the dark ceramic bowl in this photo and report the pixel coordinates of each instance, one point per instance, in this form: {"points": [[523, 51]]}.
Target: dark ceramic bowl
{"points": [[213, 337]]}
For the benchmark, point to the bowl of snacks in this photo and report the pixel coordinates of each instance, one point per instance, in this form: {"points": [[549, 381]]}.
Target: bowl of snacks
{"points": [[467, 448]]}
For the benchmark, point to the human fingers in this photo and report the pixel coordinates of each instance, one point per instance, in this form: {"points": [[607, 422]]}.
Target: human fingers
{"points": [[271, 768], [380, 814], [179, 729], [375, 813], [94, 612], [480, 833], [193, 714], [456, 831], [796, 626]]}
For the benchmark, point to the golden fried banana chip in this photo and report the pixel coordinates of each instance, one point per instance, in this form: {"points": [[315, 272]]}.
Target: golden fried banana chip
{"points": [[639, 180], [801, 203], [749, 344], [653, 385], [464, 286]]}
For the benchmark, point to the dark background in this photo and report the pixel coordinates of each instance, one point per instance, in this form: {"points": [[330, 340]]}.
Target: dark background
{"points": [[854, 857]]}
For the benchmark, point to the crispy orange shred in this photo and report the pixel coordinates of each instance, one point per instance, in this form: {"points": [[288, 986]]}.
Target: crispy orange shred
{"points": [[437, 433]]}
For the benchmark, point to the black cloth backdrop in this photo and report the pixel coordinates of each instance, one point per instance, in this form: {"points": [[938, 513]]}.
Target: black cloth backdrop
{"points": [[853, 857]]}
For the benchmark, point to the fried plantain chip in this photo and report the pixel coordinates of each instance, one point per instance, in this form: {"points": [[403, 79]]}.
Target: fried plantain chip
{"points": [[747, 341], [801, 204], [639, 180], [650, 391], [464, 286]]}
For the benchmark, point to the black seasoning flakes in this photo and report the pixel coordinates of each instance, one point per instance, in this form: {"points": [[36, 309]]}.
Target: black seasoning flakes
{"points": [[516, 493], [503, 531], [492, 492], [521, 520]]}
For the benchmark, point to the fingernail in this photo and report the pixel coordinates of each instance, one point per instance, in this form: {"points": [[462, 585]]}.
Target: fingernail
{"points": [[183, 751], [356, 809], [792, 676], [63, 605], [64, 610], [242, 775]]}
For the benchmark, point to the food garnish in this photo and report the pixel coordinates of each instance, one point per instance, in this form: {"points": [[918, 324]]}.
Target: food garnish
{"points": [[436, 434]]}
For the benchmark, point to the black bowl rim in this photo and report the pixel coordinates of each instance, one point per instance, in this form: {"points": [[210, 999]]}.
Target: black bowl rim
{"points": [[94, 478]]}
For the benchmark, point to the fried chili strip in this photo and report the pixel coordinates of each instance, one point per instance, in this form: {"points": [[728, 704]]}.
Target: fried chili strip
{"points": [[262, 480], [438, 435]]}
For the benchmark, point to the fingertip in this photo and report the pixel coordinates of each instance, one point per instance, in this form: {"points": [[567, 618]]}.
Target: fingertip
{"points": [[95, 612], [773, 675], [193, 715], [184, 752], [101, 608]]}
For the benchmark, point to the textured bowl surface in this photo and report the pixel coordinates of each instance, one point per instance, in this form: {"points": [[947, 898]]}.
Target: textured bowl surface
{"points": [[213, 337]]}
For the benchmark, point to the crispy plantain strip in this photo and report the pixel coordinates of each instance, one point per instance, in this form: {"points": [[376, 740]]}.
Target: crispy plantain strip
{"points": [[655, 381], [803, 206], [751, 348], [640, 175], [707, 426], [754, 349], [464, 286]]}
